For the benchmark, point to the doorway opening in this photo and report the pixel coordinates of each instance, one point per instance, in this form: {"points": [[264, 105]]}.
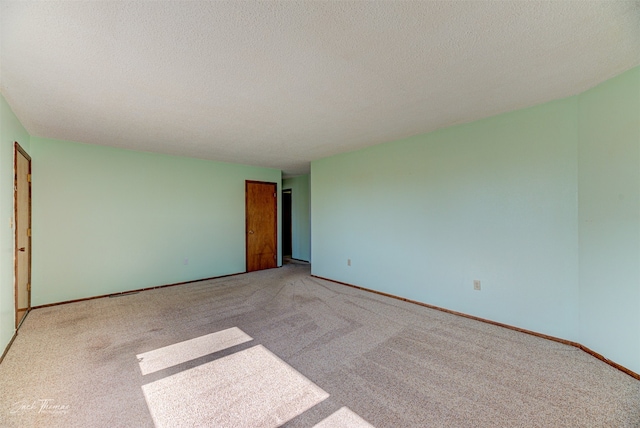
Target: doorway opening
{"points": [[287, 226]]}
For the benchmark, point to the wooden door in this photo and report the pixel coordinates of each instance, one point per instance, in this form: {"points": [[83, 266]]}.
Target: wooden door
{"points": [[22, 198], [261, 206]]}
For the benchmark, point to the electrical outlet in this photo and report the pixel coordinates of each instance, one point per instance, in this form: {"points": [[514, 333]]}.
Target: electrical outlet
{"points": [[476, 284], [348, 262]]}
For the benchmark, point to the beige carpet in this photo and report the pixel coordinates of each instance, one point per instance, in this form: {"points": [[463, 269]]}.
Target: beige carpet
{"points": [[343, 418], [172, 355], [279, 347], [250, 388]]}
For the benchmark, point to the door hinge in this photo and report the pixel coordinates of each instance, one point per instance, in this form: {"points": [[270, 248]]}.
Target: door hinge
{"points": [[274, 195], [275, 257], [29, 178], [29, 287], [29, 232]]}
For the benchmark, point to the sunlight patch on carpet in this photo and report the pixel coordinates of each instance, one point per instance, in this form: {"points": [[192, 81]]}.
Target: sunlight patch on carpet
{"points": [[344, 417], [251, 388], [178, 353]]}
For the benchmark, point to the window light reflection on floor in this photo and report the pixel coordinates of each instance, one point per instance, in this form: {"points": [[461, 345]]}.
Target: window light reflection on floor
{"points": [[250, 388], [343, 418], [178, 353]]}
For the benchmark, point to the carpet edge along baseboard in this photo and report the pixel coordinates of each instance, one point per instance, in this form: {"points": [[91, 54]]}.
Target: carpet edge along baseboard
{"points": [[404, 299], [499, 324], [137, 290]]}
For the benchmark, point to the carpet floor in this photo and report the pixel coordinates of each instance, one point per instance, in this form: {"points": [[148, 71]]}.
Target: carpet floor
{"points": [[281, 348]]}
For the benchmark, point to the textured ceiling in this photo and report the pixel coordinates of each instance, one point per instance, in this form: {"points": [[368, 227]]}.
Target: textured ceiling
{"points": [[279, 84]]}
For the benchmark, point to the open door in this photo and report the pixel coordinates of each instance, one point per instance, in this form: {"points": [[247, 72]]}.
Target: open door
{"points": [[261, 204], [22, 257]]}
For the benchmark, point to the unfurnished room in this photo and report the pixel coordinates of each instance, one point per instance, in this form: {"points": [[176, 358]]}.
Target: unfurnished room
{"points": [[320, 213]]}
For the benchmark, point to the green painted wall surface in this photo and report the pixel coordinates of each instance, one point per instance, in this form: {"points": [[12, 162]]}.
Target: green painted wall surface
{"points": [[542, 205], [108, 220], [494, 200], [609, 182], [300, 215], [11, 130]]}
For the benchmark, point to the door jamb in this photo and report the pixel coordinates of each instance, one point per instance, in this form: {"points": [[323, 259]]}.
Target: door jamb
{"points": [[18, 148]]}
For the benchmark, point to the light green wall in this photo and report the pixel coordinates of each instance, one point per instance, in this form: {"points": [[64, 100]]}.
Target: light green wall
{"points": [[609, 216], [11, 130], [494, 200], [300, 215], [497, 200], [107, 220]]}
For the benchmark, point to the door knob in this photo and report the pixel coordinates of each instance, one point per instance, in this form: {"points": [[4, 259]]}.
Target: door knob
{"points": [[21, 249], [251, 232]]}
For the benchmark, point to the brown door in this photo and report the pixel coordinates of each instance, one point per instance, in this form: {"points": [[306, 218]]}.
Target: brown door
{"points": [[261, 226], [22, 197]]}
